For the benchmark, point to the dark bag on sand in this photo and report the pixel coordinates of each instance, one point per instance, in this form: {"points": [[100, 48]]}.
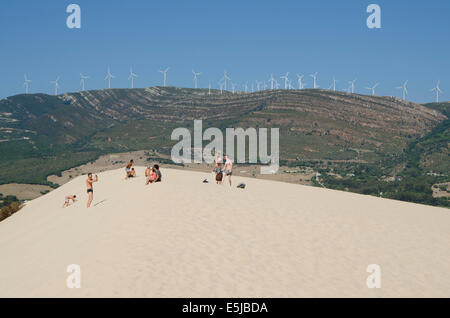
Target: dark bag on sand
{"points": [[219, 176]]}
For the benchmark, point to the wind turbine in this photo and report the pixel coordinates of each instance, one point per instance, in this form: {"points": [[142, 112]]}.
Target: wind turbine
{"points": [[209, 88], [164, 75], [233, 87], [258, 85], [26, 84], [314, 76], [246, 87], [286, 80], [300, 81], [56, 82], [333, 85], [272, 81], [225, 78], [373, 88], [404, 90], [290, 85], [352, 85], [83, 78], [196, 75], [221, 87], [132, 77], [108, 77], [348, 90], [437, 90]]}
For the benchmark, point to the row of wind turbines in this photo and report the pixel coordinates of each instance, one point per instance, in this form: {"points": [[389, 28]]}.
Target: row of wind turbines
{"points": [[260, 85]]}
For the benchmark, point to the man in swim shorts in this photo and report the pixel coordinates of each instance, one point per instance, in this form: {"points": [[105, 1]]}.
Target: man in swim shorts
{"points": [[228, 168], [90, 188]]}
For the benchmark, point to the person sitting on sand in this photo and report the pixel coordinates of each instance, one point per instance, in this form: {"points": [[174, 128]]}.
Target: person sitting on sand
{"points": [[148, 172], [67, 200], [228, 169], [158, 173], [132, 174], [90, 188], [128, 169], [152, 177]]}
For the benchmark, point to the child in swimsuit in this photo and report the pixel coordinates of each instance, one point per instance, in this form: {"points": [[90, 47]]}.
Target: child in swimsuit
{"points": [[67, 200]]}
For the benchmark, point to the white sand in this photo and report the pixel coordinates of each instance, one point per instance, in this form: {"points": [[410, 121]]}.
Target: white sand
{"points": [[183, 238]]}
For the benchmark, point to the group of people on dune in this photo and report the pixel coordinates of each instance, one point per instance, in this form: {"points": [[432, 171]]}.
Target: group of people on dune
{"points": [[223, 167], [152, 175], [90, 191]]}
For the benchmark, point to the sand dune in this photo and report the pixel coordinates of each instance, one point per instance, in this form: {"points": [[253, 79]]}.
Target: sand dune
{"points": [[183, 238]]}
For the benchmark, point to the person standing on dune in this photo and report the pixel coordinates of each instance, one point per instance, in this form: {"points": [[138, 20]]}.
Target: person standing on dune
{"points": [[90, 188], [217, 164], [228, 168]]}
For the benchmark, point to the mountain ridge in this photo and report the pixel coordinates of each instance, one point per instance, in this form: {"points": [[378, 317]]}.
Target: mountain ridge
{"points": [[103, 108]]}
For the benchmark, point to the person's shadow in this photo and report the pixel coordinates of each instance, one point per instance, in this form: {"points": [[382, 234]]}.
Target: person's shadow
{"points": [[100, 202]]}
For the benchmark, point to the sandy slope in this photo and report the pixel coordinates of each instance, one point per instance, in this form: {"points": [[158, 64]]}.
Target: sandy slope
{"points": [[183, 238]]}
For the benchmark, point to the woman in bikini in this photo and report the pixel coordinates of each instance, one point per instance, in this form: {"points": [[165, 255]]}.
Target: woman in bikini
{"points": [[152, 177]]}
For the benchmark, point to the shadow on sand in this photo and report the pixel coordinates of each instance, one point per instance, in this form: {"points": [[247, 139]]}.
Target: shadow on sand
{"points": [[100, 202]]}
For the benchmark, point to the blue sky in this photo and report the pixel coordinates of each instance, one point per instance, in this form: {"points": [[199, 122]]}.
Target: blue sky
{"points": [[249, 38]]}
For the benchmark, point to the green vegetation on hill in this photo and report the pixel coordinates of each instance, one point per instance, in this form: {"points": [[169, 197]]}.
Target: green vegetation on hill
{"points": [[35, 170], [414, 183], [7, 200], [8, 206], [433, 151]]}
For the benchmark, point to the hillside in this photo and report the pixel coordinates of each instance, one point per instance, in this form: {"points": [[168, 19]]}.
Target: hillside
{"points": [[272, 239], [433, 149], [328, 131]]}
